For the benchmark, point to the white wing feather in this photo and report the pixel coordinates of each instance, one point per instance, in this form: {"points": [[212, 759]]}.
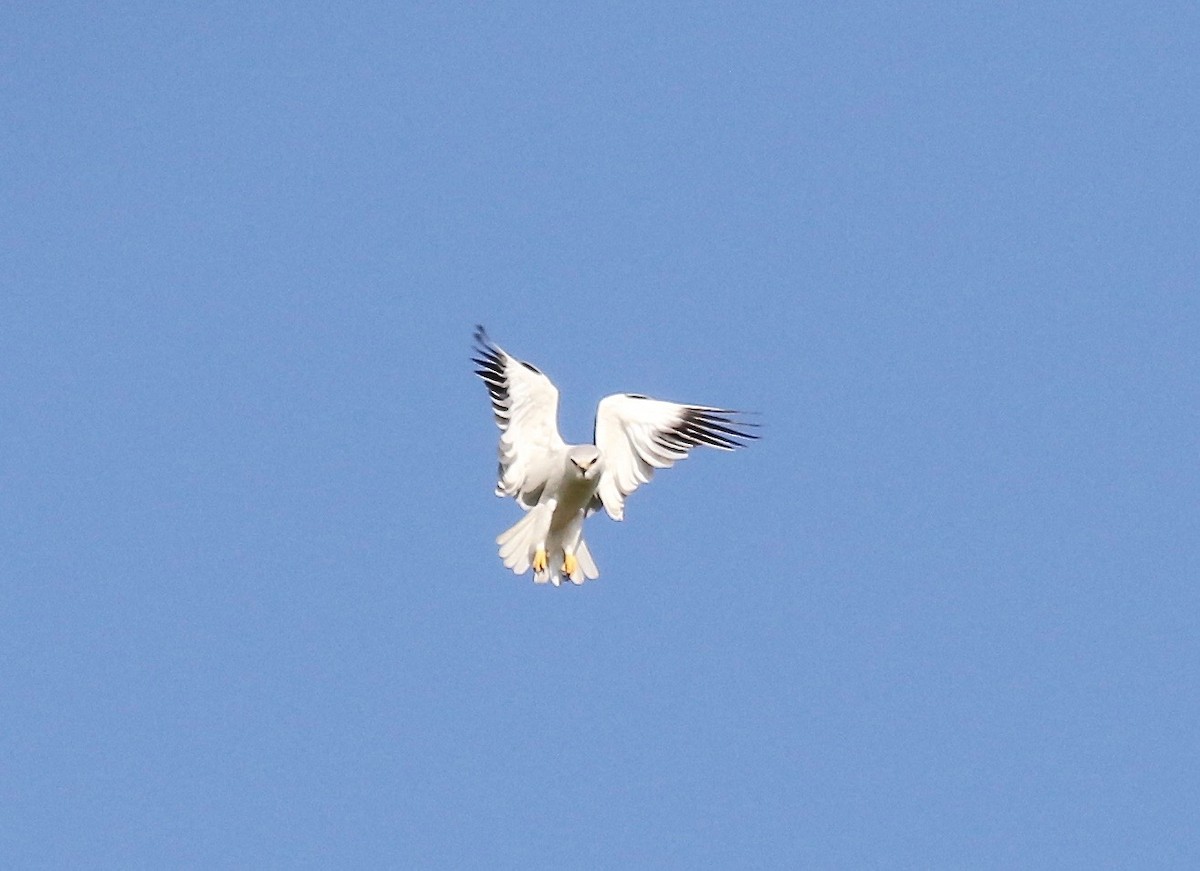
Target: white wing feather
{"points": [[525, 404], [636, 435]]}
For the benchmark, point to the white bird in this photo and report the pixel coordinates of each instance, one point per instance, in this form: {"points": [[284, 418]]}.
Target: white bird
{"points": [[560, 485]]}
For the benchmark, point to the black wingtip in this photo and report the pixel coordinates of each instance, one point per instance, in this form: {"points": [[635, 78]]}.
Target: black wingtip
{"points": [[719, 427], [483, 343]]}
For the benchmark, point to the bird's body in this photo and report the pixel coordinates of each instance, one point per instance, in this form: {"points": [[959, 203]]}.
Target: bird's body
{"points": [[560, 485], [550, 535]]}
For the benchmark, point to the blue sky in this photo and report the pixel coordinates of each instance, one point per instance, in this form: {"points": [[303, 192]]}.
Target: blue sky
{"points": [[943, 615]]}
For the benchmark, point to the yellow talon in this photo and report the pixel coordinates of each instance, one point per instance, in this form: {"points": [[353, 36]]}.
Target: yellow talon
{"points": [[540, 560], [570, 564]]}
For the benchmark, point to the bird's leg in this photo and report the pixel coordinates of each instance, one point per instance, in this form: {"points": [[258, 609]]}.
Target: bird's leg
{"points": [[540, 560], [570, 564]]}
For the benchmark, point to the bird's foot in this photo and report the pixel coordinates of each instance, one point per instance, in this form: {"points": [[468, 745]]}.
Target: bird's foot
{"points": [[570, 564], [540, 561]]}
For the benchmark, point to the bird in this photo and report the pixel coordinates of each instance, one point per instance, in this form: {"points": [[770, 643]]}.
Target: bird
{"points": [[560, 485]]}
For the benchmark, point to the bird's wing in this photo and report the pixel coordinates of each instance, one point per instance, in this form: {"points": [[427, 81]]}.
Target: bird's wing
{"points": [[636, 435], [526, 407]]}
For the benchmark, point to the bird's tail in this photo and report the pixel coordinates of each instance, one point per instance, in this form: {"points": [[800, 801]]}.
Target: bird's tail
{"points": [[519, 542]]}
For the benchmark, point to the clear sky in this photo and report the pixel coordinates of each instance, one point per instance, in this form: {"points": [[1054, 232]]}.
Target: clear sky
{"points": [[943, 615]]}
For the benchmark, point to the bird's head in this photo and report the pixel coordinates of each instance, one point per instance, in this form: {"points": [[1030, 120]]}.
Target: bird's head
{"points": [[584, 461]]}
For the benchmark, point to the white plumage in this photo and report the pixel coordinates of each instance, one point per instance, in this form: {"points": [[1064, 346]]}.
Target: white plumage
{"points": [[560, 485]]}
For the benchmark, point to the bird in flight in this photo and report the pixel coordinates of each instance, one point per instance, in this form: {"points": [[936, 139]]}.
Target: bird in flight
{"points": [[560, 485]]}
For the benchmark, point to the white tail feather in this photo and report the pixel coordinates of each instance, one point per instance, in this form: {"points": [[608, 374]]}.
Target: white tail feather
{"points": [[519, 542], [587, 565]]}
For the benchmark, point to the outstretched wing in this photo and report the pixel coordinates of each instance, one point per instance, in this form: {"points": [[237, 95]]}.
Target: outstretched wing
{"points": [[637, 435], [526, 407]]}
